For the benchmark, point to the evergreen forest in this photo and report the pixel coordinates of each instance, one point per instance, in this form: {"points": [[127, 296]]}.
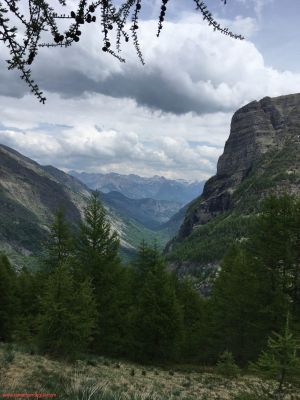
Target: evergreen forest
{"points": [[83, 301]]}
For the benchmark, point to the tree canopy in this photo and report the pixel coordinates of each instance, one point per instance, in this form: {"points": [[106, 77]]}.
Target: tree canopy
{"points": [[27, 26]]}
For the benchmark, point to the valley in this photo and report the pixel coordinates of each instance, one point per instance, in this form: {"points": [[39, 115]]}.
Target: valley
{"points": [[204, 300], [31, 193]]}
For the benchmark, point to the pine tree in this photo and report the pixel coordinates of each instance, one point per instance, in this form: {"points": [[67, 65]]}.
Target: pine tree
{"points": [[276, 242], [281, 359], [194, 343], [68, 314], [29, 287], [244, 308], [96, 242], [60, 245], [226, 365], [97, 258], [8, 299], [158, 318]]}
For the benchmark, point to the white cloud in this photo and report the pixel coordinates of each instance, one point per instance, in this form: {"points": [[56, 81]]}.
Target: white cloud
{"points": [[170, 117], [188, 69], [91, 149]]}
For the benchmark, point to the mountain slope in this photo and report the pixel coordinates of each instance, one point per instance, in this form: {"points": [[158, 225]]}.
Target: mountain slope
{"points": [[28, 198], [149, 212], [262, 155], [137, 187], [31, 193]]}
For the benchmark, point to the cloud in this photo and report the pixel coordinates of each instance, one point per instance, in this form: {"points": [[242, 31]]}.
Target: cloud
{"points": [[94, 149], [188, 69], [171, 117]]}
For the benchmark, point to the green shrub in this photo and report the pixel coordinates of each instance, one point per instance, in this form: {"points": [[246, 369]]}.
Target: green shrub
{"points": [[8, 354], [246, 396], [226, 365]]}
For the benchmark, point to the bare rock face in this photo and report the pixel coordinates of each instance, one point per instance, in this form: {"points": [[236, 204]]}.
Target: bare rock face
{"points": [[263, 146]]}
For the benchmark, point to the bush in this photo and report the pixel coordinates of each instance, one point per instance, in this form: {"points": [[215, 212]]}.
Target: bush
{"points": [[246, 396], [226, 365], [8, 354]]}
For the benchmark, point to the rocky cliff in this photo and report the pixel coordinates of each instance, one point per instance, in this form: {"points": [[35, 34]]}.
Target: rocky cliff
{"points": [[262, 155]]}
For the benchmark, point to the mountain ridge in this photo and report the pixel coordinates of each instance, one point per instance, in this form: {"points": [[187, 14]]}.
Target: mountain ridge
{"points": [[31, 193], [136, 187], [261, 156]]}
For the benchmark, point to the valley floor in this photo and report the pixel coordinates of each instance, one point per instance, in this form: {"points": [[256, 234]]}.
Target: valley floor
{"points": [[106, 379]]}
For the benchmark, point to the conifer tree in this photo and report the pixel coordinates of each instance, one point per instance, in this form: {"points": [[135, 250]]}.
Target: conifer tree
{"points": [[158, 317], [8, 300], [97, 258], [96, 242], [226, 365], [244, 308], [281, 359], [68, 314], [60, 243], [276, 244], [194, 319], [29, 287]]}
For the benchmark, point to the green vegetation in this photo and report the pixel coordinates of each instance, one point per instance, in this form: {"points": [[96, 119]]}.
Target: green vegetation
{"points": [[275, 172], [226, 365], [208, 243], [68, 314], [83, 301], [28, 234], [99, 378], [281, 360]]}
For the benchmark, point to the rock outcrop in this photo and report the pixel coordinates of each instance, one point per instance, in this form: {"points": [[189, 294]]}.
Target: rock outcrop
{"points": [[262, 155]]}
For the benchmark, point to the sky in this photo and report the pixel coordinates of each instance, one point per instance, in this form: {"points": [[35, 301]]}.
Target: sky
{"points": [[170, 117]]}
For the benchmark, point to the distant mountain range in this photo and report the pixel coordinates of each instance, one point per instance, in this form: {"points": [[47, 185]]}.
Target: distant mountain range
{"points": [[151, 213], [30, 194], [137, 187]]}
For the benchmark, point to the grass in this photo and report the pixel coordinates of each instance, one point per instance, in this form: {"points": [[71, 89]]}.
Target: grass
{"points": [[98, 378]]}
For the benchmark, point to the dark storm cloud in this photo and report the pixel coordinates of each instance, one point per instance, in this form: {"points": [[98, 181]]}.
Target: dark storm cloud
{"points": [[150, 90]]}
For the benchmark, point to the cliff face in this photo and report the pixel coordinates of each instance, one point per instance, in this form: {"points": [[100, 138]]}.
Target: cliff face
{"points": [[262, 155]]}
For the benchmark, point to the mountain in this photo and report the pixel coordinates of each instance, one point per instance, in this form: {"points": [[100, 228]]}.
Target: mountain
{"points": [[31, 193], [137, 187], [261, 156], [28, 198], [149, 212]]}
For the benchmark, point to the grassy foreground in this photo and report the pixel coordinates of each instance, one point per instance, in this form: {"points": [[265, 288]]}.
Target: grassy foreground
{"points": [[106, 379]]}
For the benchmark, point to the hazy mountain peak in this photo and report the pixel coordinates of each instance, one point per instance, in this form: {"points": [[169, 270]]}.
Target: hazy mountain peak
{"points": [[137, 187]]}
